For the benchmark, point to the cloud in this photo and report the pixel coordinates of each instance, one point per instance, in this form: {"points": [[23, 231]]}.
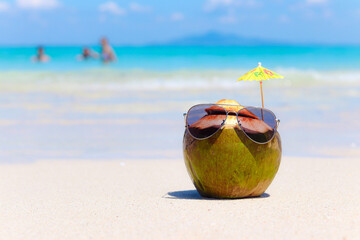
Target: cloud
{"points": [[228, 18], [357, 12], [178, 16], [311, 9], [4, 6], [136, 7], [211, 5], [328, 13], [38, 4], [309, 4], [36, 18], [228, 8], [316, 2], [284, 18], [111, 7]]}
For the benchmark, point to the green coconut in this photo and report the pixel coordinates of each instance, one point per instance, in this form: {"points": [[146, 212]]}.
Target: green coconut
{"points": [[229, 164]]}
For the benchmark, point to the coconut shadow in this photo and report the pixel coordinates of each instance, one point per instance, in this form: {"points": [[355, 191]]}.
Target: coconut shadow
{"points": [[194, 195]]}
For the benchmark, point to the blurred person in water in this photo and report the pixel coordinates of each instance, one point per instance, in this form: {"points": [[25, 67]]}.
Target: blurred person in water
{"points": [[87, 54], [40, 55], [107, 52]]}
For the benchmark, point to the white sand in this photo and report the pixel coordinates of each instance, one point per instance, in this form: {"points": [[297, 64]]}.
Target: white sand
{"points": [[309, 199]]}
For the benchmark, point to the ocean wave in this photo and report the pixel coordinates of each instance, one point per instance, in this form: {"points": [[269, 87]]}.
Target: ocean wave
{"points": [[172, 80]]}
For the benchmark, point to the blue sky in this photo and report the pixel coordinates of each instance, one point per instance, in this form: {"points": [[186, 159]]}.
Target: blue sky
{"points": [[145, 21]]}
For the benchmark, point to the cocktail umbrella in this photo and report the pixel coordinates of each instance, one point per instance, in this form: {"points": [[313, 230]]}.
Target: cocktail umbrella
{"points": [[260, 74]]}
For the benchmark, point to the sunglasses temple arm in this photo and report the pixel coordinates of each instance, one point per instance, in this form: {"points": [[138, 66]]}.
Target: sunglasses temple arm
{"points": [[277, 123], [184, 114]]}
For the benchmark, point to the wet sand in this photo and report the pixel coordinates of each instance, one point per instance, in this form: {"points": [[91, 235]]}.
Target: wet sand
{"points": [[155, 199]]}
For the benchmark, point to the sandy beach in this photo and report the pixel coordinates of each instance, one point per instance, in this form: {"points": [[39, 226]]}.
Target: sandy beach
{"points": [[155, 199]]}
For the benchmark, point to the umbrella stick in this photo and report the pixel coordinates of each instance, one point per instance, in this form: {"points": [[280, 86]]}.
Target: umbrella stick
{"points": [[262, 98], [262, 101]]}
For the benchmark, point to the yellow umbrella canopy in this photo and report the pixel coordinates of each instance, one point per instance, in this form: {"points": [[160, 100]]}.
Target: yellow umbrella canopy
{"points": [[260, 74]]}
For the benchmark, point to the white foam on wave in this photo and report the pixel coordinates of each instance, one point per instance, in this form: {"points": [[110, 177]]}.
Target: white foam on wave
{"points": [[168, 80]]}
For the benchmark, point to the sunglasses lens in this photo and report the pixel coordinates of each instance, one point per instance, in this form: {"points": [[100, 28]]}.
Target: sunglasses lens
{"points": [[205, 120], [258, 124]]}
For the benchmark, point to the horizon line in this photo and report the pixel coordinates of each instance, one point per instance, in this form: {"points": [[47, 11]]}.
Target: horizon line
{"points": [[186, 45]]}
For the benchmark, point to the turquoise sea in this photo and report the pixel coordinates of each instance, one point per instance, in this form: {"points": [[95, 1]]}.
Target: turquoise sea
{"points": [[70, 109], [162, 58]]}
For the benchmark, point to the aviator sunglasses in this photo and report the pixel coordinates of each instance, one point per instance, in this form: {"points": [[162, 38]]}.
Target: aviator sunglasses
{"points": [[204, 120]]}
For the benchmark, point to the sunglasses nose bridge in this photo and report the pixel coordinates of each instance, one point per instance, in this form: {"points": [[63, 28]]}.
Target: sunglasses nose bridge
{"points": [[232, 112], [232, 121]]}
